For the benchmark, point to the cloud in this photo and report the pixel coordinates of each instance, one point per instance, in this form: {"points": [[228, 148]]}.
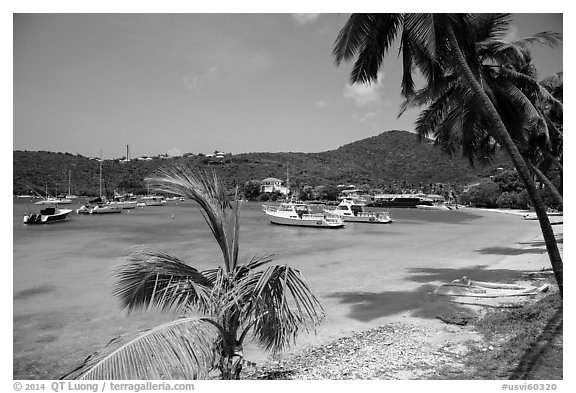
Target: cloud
{"points": [[198, 80], [305, 18], [225, 60], [511, 34], [365, 94], [321, 103], [174, 152]]}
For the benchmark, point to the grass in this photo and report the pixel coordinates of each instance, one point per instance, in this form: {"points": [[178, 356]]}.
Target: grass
{"points": [[522, 343]]}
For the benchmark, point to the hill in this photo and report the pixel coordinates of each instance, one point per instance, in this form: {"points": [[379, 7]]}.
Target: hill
{"points": [[393, 156]]}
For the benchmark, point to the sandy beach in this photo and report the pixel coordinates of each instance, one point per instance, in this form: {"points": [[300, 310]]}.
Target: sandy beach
{"points": [[408, 346]]}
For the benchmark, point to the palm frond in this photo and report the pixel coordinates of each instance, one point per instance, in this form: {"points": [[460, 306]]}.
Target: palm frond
{"points": [[428, 94], [548, 38], [210, 194], [351, 37], [502, 52], [153, 278], [256, 262], [523, 110], [279, 302], [180, 349], [376, 32], [492, 26], [429, 119], [420, 30]]}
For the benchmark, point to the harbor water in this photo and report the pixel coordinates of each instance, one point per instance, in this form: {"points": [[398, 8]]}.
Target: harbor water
{"points": [[363, 274]]}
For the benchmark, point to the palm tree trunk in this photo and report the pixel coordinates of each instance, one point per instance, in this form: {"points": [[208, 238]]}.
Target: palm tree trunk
{"points": [[504, 137], [557, 197]]}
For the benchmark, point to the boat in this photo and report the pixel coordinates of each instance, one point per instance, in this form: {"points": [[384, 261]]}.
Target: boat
{"points": [[50, 200], [399, 200], [105, 209], [69, 195], [299, 214], [100, 204], [466, 287], [153, 200], [54, 201], [126, 201], [48, 215], [353, 210], [435, 206]]}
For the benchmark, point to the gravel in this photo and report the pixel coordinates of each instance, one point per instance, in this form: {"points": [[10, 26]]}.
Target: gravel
{"points": [[394, 351]]}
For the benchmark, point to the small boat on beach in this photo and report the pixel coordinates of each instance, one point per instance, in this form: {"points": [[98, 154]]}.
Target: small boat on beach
{"points": [[351, 210], [299, 214], [48, 215], [470, 288]]}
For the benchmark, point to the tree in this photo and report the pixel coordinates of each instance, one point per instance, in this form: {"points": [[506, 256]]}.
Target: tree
{"points": [[485, 194], [252, 190], [508, 181], [329, 193], [443, 48], [233, 299]]}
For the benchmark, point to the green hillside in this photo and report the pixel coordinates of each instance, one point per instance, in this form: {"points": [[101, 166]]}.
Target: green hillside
{"points": [[393, 156]]}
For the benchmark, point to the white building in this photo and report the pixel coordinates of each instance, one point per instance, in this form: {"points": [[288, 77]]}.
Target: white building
{"points": [[272, 184]]}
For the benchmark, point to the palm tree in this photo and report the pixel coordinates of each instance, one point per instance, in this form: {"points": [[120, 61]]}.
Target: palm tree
{"points": [[440, 45], [451, 115], [219, 307]]}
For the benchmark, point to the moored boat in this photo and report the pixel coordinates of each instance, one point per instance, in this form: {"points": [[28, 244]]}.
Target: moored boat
{"points": [[48, 215], [127, 201], [153, 200], [299, 214], [105, 209], [399, 200], [54, 201], [351, 210], [435, 206]]}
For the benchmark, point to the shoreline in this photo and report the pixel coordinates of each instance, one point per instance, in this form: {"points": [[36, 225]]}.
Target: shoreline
{"points": [[378, 282], [408, 347]]}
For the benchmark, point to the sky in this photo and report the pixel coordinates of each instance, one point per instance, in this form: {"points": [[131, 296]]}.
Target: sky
{"points": [[194, 83]]}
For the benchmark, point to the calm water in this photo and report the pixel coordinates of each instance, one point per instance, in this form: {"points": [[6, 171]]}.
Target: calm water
{"points": [[363, 274]]}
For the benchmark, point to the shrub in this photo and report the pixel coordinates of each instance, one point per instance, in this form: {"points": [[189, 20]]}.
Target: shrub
{"points": [[485, 194]]}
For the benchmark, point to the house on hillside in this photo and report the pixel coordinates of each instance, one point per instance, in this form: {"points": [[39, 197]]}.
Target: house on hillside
{"points": [[272, 184]]}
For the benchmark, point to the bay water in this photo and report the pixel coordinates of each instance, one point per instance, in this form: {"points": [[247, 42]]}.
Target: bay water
{"points": [[364, 274]]}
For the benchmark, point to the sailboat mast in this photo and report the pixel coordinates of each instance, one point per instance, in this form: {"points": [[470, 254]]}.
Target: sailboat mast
{"points": [[100, 174], [287, 178]]}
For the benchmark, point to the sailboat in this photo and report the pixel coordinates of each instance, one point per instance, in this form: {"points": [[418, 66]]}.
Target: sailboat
{"points": [[101, 204], [50, 200], [69, 195], [152, 200], [50, 214]]}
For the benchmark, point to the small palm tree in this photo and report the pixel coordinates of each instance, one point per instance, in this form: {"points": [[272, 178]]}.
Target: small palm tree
{"points": [[219, 307], [439, 46]]}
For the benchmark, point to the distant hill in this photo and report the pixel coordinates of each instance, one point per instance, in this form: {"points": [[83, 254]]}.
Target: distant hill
{"points": [[392, 156]]}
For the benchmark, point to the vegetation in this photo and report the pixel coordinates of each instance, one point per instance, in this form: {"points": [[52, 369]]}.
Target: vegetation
{"points": [[524, 344], [220, 306], [470, 92], [393, 157]]}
